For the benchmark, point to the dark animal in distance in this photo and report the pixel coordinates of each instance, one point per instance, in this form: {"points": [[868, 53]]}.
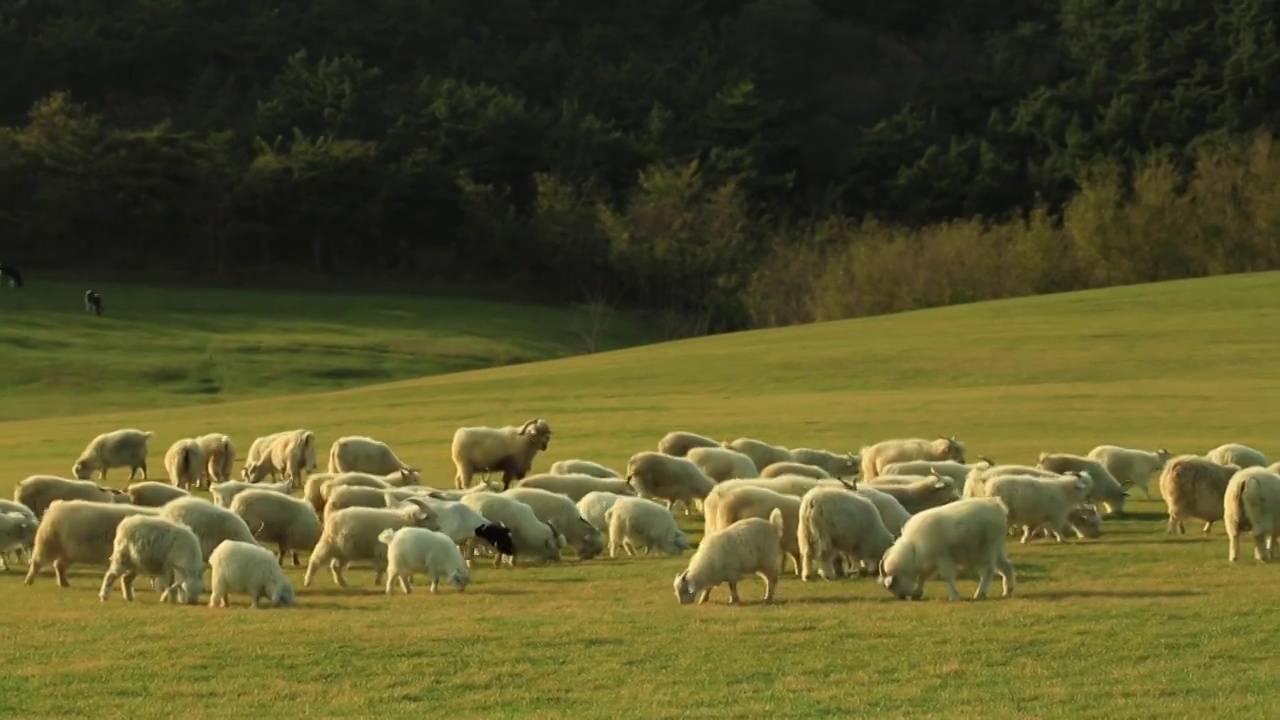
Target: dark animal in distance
{"points": [[499, 536], [92, 302], [11, 275]]}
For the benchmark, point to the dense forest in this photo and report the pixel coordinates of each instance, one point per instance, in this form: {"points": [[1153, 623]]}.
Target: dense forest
{"points": [[721, 163]]}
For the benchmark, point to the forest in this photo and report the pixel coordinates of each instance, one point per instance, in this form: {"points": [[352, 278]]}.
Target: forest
{"points": [[722, 164]]}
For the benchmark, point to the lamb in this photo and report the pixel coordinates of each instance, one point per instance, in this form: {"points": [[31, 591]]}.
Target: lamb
{"points": [[836, 464], [1241, 456], [352, 534], [118, 448], [212, 524], [257, 463], [222, 493], [968, 533], [835, 521], [1107, 491], [1252, 502], [750, 546], [355, 453], [1194, 487], [954, 471], [37, 492], [729, 503], [577, 466], [636, 522], [249, 569], [562, 513], [761, 453], [150, 493], [160, 548], [921, 494], [220, 454], [17, 532], [595, 504], [288, 522], [892, 514], [416, 550], [531, 537], [462, 523], [77, 531], [793, 468], [509, 449], [722, 464], [1131, 467], [186, 464], [666, 477], [876, 457], [576, 486], [1036, 502], [678, 443]]}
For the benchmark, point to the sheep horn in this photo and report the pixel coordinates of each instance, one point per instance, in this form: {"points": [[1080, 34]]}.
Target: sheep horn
{"points": [[525, 427]]}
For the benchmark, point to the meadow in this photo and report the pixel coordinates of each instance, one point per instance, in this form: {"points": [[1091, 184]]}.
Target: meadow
{"points": [[1135, 624]]}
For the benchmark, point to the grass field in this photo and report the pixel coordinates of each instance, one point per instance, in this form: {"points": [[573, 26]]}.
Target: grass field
{"points": [[1133, 625]]}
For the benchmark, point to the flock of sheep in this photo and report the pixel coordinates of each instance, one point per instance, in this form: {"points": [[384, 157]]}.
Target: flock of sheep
{"points": [[904, 510]]}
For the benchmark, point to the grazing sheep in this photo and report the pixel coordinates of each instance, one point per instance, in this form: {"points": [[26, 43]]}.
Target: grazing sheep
{"points": [[576, 487], [37, 492], [212, 524], [967, 533], [793, 468], [833, 521], [919, 493], [257, 463], [288, 522], [462, 523], [750, 546], [728, 504], [150, 493], [577, 466], [722, 464], [1252, 503], [355, 453], [532, 538], [13, 507], [954, 471], [636, 522], [678, 443], [595, 504], [762, 454], [118, 448], [892, 514], [77, 531], [975, 482], [835, 464], [669, 478], [220, 453], [561, 512], [1107, 491], [93, 304], [417, 550], [17, 532], [1131, 467], [1194, 487], [249, 569], [185, 462], [509, 449], [320, 485], [352, 534], [1035, 502], [1242, 456], [796, 485], [293, 454], [222, 493], [876, 457], [160, 548], [341, 497]]}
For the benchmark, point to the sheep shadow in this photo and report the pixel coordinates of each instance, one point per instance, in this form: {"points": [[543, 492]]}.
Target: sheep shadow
{"points": [[1054, 596]]}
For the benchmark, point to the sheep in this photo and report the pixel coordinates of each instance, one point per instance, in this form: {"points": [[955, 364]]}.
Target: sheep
{"points": [[341, 497], [1194, 487], [595, 504], [1252, 503], [509, 449], [289, 522], [722, 464], [678, 443], [835, 464], [1107, 491], [891, 511], [212, 524], [669, 478], [257, 463], [884, 479], [835, 521], [793, 468], [220, 455], [416, 550], [37, 492], [762, 454], [319, 485], [577, 466], [729, 503], [562, 513], [796, 485], [636, 522], [968, 533], [118, 448], [576, 486], [222, 493], [975, 482], [876, 457], [12, 507], [160, 548], [531, 537], [355, 453], [17, 532], [1131, 467], [294, 454], [954, 471], [750, 546], [77, 531], [153, 494], [461, 523], [1242, 456], [1036, 502], [352, 534], [93, 301], [249, 569], [921, 494], [186, 464]]}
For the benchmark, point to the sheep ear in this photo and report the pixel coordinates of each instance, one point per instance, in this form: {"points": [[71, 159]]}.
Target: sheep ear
{"points": [[939, 484]]}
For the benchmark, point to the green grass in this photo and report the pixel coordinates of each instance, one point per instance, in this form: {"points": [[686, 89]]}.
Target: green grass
{"points": [[158, 347], [1133, 625]]}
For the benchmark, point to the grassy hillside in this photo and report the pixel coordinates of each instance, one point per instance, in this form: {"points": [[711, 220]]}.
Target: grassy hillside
{"points": [[1132, 625], [173, 346]]}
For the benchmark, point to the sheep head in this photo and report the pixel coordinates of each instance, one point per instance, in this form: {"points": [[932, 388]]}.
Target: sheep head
{"points": [[82, 470], [684, 588], [539, 430]]}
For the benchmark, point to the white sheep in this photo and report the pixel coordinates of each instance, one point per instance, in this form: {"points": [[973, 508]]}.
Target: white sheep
{"points": [[762, 454], [293, 454], [1242, 456], [667, 477], [14, 507], [319, 485], [356, 453], [722, 464], [274, 517], [876, 457], [678, 443], [915, 493], [1194, 487], [160, 548], [222, 493], [636, 522], [257, 462], [729, 503], [341, 497], [750, 546], [352, 534], [77, 531], [153, 494], [1107, 491], [593, 506], [577, 486], [532, 538], [1129, 466], [975, 482], [186, 464], [249, 569], [1252, 504], [212, 524], [968, 533], [954, 471], [459, 521], [508, 449], [17, 533], [891, 511], [792, 468], [836, 464], [1036, 502], [118, 448], [577, 466], [561, 512], [796, 485], [220, 455], [37, 492], [834, 521], [413, 550]]}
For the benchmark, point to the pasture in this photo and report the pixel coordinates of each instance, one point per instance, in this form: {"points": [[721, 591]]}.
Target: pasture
{"points": [[1132, 625]]}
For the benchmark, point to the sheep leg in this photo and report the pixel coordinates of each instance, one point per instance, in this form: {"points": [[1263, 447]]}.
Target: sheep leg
{"points": [[733, 593], [60, 571], [1026, 533], [406, 583], [795, 562], [706, 595], [339, 570], [170, 593], [107, 580], [126, 585], [435, 584], [4, 561], [984, 581], [1261, 551], [629, 547], [770, 587], [947, 570], [391, 582], [1008, 577], [1208, 526]]}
